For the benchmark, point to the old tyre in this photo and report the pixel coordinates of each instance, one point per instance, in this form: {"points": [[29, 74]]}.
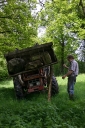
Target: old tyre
{"points": [[18, 88], [55, 88]]}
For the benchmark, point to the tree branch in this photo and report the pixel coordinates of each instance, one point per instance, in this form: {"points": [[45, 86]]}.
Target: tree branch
{"points": [[9, 17], [5, 32]]}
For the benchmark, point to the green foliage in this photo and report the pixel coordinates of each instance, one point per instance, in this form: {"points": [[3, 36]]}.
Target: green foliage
{"points": [[18, 27], [81, 67], [3, 69], [37, 112], [64, 22], [63, 26]]}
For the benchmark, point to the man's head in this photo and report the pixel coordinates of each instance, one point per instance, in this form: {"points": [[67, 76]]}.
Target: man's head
{"points": [[70, 58]]}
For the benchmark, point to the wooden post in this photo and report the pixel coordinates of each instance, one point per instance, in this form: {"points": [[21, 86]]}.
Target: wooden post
{"points": [[50, 83]]}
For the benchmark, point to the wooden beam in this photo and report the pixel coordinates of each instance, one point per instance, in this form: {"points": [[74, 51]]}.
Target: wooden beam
{"points": [[50, 83]]}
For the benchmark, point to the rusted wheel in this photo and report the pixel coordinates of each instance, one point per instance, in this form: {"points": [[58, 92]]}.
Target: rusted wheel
{"points": [[55, 88]]}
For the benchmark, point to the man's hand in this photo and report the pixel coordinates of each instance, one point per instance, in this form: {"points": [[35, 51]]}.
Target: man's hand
{"points": [[64, 65], [63, 77], [67, 74]]}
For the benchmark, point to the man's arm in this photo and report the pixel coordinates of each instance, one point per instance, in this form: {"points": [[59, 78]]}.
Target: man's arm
{"points": [[20, 80], [64, 65], [67, 74]]}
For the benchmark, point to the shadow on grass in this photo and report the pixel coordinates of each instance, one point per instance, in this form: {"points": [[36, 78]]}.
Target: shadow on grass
{"points": [[34, 96], [7, 93]]}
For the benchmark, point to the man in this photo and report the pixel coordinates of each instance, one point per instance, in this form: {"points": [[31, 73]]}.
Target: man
{"points": [[73, 70]]}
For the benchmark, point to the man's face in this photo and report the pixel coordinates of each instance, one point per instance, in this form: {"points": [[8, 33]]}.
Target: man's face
{"points": [[69, 59]]}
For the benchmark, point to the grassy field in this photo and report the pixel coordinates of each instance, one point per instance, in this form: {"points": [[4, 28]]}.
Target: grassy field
{"points": [[37, 112]]}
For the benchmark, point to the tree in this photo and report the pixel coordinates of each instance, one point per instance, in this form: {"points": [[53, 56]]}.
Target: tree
{"points": [[62, 23], [18, 26], [81, 15]]}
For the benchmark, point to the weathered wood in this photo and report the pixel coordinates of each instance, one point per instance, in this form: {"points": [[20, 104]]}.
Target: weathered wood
{"points": [[50, 83]]}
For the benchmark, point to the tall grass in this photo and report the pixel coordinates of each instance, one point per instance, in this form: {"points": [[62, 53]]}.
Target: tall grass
{"points": [[36, 112]]}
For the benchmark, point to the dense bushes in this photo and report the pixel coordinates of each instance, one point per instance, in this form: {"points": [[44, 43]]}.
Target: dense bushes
{"points": [[3, 69], [57, 68], [81, 67], [3, 74]]}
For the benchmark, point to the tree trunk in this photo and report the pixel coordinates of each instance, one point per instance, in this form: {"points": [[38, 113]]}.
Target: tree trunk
{"points": [[62, 56]]}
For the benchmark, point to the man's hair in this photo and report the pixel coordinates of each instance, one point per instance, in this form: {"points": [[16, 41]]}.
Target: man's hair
{"points": [[70, 57]]}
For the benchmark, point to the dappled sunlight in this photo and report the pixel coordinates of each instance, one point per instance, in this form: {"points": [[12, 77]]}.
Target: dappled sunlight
{"points": [[79, 87], [7, 90], [6, 84], [61, 81], [81, 78]]}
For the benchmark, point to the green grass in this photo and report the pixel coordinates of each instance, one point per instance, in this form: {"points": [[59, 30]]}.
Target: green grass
{"points": [[37, 112]]}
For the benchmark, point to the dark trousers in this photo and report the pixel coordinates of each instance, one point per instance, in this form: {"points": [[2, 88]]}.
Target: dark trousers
{"points": [[70, 85]]}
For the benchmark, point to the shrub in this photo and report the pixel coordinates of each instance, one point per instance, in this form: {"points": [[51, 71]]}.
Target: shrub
{"points": [[3, 69]]}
